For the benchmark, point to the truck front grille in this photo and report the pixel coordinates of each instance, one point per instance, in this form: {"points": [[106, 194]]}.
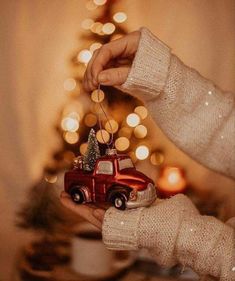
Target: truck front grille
{"points": [[148, 194]]}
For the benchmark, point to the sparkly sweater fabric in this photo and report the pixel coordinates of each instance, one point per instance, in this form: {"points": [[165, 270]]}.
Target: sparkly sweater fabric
{"points": [[200, 119], [194, 113]]}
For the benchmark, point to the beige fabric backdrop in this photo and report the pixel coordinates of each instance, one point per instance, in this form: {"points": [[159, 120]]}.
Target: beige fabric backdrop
{"points": [[36, 40]]}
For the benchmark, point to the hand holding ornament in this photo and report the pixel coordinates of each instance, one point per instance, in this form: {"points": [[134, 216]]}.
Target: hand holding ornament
{"points": [[89, 212]]}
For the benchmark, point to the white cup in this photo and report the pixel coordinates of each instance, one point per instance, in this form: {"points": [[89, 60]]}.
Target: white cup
{"points": [[91, 258]]}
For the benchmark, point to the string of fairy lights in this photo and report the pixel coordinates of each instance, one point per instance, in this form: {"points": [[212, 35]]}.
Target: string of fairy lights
{"points": [[130, 132]]}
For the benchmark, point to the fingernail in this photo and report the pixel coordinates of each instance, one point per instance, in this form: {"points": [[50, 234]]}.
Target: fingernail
{"points": [[102, 77]]}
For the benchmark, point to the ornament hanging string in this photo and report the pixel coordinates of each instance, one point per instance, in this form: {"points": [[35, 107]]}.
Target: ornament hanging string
{"points": [[108, 121]]}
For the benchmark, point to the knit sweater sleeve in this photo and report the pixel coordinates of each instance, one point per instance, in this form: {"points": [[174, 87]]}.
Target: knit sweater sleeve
{"points": [[174, 232], [194, 113]]}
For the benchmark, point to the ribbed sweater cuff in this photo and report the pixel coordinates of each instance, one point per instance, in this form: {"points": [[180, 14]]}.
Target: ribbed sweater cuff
{"points": [[196, 246], [149, 70], [120, 229]]}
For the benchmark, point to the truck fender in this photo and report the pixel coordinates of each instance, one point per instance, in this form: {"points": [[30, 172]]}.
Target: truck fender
{"points": [[125, 190], [84, 189]]}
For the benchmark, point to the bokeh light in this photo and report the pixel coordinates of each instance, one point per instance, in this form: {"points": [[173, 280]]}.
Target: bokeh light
{"points": [[142, 152], [83, 148], [69, 124], [97, 96], [95, 46], [71, 137], [120, 17], [50, 178], [133, 120], [87, 23], [141, 111], [108, 28], [97, 27], [70, 84], [90, 5], [122, 143], [74, 115], [102, 136], [99, 2], [84, 56], [140, 131], [111, 126], [90, 120]]}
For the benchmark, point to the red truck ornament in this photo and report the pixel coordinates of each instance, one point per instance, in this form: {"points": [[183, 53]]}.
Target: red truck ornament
{"points": [[114, 180]]}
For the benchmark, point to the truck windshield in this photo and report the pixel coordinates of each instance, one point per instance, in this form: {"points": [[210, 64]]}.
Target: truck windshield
{"points": [[105, 167], [125, 163]]}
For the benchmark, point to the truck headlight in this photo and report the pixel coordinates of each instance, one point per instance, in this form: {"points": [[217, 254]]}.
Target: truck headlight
{"points": [[150, 186], [133, 195]]}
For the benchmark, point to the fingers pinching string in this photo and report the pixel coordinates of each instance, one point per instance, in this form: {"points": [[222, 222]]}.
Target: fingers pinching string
{"points": [[109, 144]]}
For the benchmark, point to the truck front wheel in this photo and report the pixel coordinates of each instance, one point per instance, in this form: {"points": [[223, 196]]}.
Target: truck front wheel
{"points": [[119, 201], [77, 195]]}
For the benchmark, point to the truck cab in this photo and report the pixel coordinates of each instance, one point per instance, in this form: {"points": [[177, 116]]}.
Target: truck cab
{"points": [[115, 180]]}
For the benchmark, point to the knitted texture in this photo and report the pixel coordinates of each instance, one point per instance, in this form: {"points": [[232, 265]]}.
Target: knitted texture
{"points": [[149, 71], [114, 224], [208, 246], [195, 114], [174, 232]]}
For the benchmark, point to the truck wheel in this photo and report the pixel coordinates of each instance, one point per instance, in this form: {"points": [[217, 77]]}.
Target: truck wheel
{"points": [[77, 195], [119, 201]]}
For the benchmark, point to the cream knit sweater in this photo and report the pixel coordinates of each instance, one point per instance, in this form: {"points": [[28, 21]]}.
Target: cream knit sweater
{"points": [[200, 119]]}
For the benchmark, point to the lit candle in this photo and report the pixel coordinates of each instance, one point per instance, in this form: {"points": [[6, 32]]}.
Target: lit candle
{"points": [[171, 181]]}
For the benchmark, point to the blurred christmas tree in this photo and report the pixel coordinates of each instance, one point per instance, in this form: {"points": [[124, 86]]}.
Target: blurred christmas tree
{"points": [[124, 119]]}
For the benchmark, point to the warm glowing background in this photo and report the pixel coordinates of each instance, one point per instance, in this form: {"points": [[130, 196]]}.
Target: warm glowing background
{"points": [[36, 40]]}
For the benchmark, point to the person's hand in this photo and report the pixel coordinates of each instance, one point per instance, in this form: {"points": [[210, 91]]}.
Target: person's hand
{"points": [[111, 63], [89, 212]]}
